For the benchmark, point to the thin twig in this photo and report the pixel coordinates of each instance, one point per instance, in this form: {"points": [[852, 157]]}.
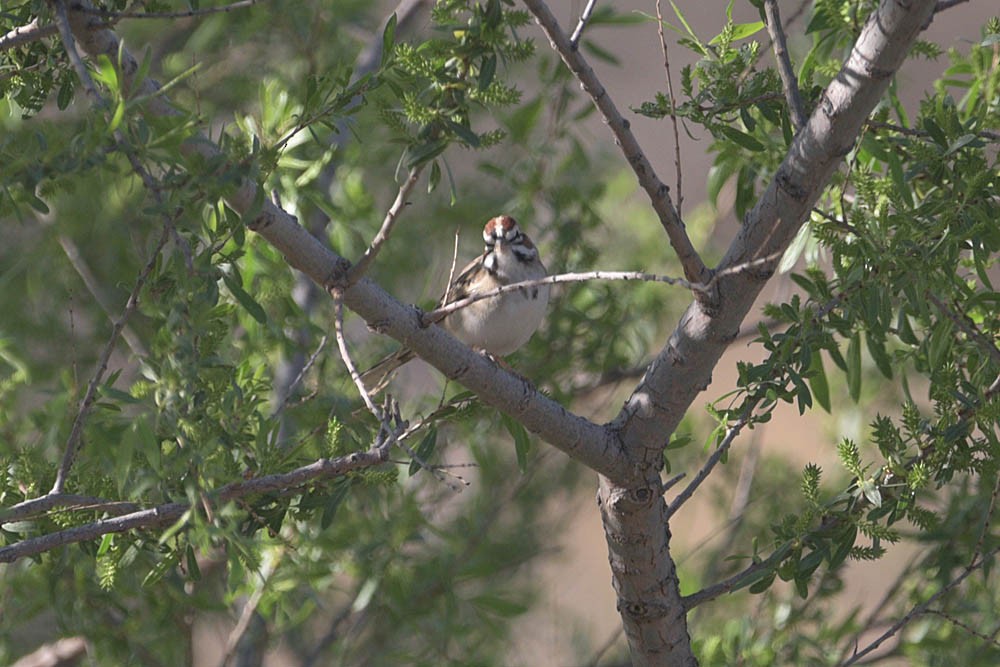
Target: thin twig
{"points": [[391, 216], [673, 106], [64, 502], [707, 467], [987, 521], [911, 132], [972, 631], [606, 646], [74, 440], [439, 313], [789, 82], [709, 593], [25, 34], [451, 271], [588, 9], [249, 609], [281, 483], [301, 374], [920, 608], [338, 307], [206, 11], [78, 263], [942, 5], [658, 192], [962, 323]]}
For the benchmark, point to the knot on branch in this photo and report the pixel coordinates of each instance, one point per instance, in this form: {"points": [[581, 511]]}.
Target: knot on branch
{"points": [[642, 611]]}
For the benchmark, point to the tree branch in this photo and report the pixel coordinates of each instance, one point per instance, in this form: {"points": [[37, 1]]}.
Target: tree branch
{"points": [[789, 83], [64, 502], [920, 609], [707, 468], [659, 194], [25, 34], [204, 11], [594, 445], [588, 9], [391, 216], [281, 483], [673, 105]]}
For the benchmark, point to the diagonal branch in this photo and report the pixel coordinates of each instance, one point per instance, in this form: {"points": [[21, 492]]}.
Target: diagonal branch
{"points": [[588, 10], [594, 445], [659, 194], [673, 105], [25, 34], [789, 82], [281, 483], [684, 367], [391, 216], [922, 608]]}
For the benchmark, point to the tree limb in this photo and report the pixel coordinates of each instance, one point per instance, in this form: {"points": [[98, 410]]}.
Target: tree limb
{"points": [[789, 83], [25, 34], [659, 194], [594, 445], [282, 483]]}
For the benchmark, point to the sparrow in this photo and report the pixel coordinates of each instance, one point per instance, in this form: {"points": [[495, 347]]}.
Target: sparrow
{"points": [[500, 324]]}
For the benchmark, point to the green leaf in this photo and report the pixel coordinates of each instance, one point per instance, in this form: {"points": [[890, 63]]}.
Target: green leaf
{"points": [[741, 138], [854, 367], [795, 249], [66, 91], [818, 381], [600, 53], [464, 133], [106, 543], [116, 118], [876, 348], [434, 178], [487, 72], [388, 39], [423, 153], [423, 451], [333, 501], [935, 132], [522, 442], [244, 298], [194, 572], [499, 606], [740, 31]]}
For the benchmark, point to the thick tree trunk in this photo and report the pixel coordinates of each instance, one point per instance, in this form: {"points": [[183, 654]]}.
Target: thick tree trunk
{"points": [[634, 515]]}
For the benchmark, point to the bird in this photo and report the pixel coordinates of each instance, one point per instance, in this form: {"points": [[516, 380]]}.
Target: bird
{"points": [[496, 325]]}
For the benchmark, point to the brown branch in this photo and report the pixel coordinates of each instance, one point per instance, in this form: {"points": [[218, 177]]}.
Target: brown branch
{"points": [[64, 652], [280, 483], [734, 582], [25, 34], [789, 82], [206, 11], [920, 609], [673, 106], [658, 192], [594, 445], [911, 132], [64, 502], [391, 216], [75, 439], [585, 15], [79, 264], [707, 467], [438, 314]]}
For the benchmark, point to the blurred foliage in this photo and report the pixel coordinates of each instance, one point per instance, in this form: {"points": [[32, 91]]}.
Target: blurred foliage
{"points": [[895, 318]]}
